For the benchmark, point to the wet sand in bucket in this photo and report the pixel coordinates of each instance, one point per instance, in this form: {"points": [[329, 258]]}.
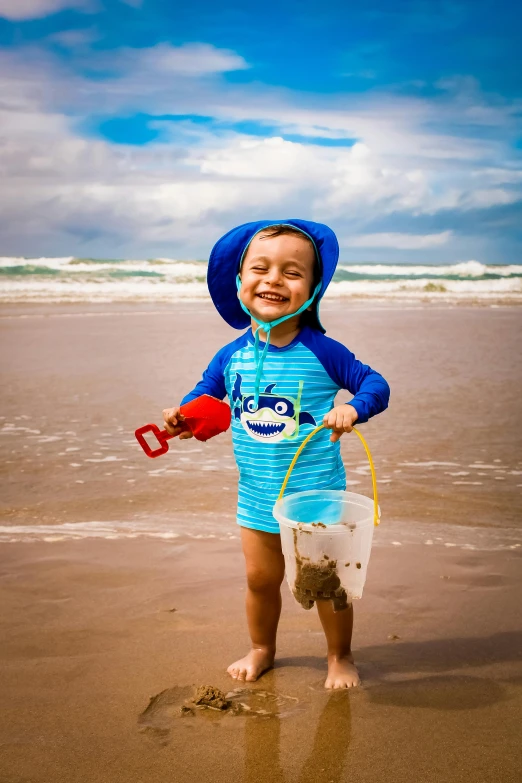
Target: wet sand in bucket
{"points": [[318, 582]]}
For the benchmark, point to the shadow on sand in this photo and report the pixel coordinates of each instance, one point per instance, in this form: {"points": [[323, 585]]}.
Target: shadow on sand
{"points": [[435, 655]]}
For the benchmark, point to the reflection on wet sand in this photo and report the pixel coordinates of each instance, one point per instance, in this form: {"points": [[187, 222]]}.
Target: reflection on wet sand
{"points": [[263, 750], [327, 756], [331, 742]]}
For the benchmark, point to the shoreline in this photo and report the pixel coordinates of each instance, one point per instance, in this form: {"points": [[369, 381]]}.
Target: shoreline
{"points": [[223, 527], [145, 306]]}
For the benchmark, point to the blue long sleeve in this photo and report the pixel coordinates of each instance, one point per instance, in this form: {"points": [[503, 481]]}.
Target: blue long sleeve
{"points": [[213, 380], [371, 391]]}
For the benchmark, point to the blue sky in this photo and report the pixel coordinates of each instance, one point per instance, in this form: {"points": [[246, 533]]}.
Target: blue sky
{"points": [[146, 129]]}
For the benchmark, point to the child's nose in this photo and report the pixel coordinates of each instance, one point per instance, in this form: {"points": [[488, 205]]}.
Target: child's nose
{"points": [[274, 276]]}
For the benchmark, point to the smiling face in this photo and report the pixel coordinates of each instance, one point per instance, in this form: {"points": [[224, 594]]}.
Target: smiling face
{"points": [[277, 275]]}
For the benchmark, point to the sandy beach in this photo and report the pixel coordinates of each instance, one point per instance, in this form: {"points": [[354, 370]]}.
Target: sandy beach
{"points": [[122, 580]]}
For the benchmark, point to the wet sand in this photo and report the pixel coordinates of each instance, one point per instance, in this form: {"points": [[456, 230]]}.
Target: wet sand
{"points": [[90, 635], [92, 629]]}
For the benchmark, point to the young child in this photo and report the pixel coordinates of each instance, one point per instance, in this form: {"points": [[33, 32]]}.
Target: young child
{"points": [[281, 377]]}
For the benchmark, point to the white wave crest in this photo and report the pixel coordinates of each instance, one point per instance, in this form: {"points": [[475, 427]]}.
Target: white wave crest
{"points": [[155, 290], [128, 289], [52, 263], [422, 288], [463, 269], [73, 266], [84, 280]]}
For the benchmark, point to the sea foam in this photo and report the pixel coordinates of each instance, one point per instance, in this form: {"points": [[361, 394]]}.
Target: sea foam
{"points": [[69, 279]]}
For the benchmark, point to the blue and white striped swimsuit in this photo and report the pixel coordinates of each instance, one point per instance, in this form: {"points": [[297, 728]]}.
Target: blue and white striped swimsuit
{"points": [[298, 389]]}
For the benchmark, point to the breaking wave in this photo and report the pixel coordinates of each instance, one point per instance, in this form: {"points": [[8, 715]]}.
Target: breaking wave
{"points": [[72, 279]]}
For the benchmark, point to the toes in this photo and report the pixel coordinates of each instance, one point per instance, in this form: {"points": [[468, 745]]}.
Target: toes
{"points": [[334, 683], [248, 670]]}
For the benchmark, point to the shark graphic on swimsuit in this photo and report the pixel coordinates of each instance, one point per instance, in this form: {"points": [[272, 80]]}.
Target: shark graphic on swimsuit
{"points": [[276, 418]]}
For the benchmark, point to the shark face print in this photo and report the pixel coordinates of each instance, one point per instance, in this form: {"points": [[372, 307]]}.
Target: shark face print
{"points": [[275, 419]]}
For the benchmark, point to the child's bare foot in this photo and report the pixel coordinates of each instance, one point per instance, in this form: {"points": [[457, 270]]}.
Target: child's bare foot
{"points": [[342, 672], [252, 666]]}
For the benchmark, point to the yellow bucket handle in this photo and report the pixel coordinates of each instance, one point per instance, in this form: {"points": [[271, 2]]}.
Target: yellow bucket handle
{"points": [[376, 515]]}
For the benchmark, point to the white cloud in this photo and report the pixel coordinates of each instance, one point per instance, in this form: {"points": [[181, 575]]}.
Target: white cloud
{"points": [[194, 59], [71, 39], [18, 10], [70, 193], [150, 67], [272, 158], [400, 241], [483, 199]]}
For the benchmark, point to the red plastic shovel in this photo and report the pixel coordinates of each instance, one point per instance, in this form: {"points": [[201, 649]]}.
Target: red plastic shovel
{"points": [[205, 417]]}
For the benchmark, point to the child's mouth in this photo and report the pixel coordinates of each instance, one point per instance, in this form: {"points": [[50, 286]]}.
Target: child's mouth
{"points": [[275, 298]]}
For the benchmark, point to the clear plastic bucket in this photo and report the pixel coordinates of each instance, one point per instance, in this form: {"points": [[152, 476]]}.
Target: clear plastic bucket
{"points": [[326, 537]]}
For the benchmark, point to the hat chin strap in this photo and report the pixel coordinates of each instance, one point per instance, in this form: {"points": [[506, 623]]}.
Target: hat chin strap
{"points": [[267, 326]]}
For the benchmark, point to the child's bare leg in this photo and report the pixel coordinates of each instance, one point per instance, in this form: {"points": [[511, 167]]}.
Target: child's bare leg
{"points": [[342, 672], [265, 568]]}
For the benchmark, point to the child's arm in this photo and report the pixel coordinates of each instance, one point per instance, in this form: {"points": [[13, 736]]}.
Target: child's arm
{"points": [[212, 383], [371, 396], [371, 391]]}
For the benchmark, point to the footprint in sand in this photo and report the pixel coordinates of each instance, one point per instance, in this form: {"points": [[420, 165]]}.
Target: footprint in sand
{"points": [[166, 709]]}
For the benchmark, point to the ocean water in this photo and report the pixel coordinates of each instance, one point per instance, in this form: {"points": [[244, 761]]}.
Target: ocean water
{"points": [[161, 279]]}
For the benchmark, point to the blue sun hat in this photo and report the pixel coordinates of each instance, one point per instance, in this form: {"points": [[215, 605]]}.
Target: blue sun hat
{"points": [[224, 283]]}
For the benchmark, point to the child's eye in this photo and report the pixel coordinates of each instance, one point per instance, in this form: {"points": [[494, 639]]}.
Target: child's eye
{"points": [[281, 407]]}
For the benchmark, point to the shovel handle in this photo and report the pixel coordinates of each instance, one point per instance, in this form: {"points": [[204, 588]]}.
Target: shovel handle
{"points": [[376, 512], [162, 436]]}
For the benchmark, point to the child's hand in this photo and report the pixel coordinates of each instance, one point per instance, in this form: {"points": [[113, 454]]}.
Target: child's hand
{"points": [[172, 418], [340, 419]]}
